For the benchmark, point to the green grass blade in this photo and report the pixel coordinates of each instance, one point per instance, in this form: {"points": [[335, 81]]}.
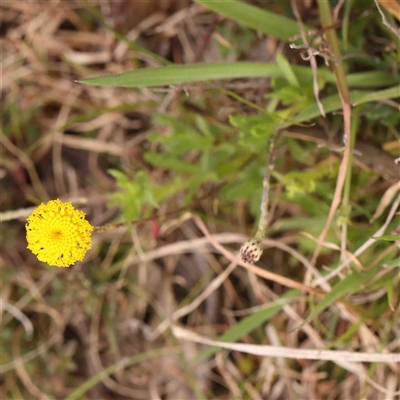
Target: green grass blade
{"points": [[348, 285], [385, 94], [330, 104], [249, 323], [390, 238], [287, 70], [176, 74], [265, 21], [392, 264], [346, 336], [371, 79], [345, 24]]}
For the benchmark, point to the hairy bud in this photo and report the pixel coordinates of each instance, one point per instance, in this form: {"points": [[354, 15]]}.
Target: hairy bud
{"points": [[251, 250]]}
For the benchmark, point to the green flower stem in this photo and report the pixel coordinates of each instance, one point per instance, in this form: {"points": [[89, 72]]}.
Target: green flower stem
{"points": [[252, 249], [346, 206], [117, 225], [263, 222], [159, 217]]}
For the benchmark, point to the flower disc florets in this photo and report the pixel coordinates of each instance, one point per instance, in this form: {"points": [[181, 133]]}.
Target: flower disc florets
{"points": [[58, 234]]}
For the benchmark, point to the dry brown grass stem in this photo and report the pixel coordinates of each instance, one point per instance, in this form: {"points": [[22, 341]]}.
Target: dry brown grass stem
{"points": [[334, 246], [19, 315], [339, 183], [351, 363], [291, 353], [385, 200], [342, 87], [394, 9]]}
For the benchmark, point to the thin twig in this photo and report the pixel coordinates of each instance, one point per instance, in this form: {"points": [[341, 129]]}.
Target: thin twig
{"points": [[385, 21], [336, 10], [21, 317]]}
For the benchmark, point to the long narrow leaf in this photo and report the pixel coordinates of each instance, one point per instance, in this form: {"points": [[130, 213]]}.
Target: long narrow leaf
{"points": [[330, 104], [176, 74], [348, 285], [380, 95], [390, 238], [265, 21], [371, 79]]}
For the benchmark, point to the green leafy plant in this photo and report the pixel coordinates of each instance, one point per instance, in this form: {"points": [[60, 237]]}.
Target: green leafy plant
{"points": [[135, 196]]}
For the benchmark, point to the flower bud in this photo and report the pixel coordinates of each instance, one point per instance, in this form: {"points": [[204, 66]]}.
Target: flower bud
{"points": [[251, 250]]}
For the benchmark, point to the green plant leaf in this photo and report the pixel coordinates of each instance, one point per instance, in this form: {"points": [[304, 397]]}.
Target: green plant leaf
{"points": [[392, 264], [385, 94], [390, 294], [370, 79], [390, 238], [176, 74], [135, 195], [330, 104], [272, 24], [161, 161], [348, 285], [346, 336], [287, 70]]}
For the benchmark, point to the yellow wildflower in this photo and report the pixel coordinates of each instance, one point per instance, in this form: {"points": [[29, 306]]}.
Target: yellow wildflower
{"points": [[58, 234]]}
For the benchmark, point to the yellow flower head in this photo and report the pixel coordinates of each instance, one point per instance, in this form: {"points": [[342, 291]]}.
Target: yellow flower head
{"points": [[58, 234]]}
